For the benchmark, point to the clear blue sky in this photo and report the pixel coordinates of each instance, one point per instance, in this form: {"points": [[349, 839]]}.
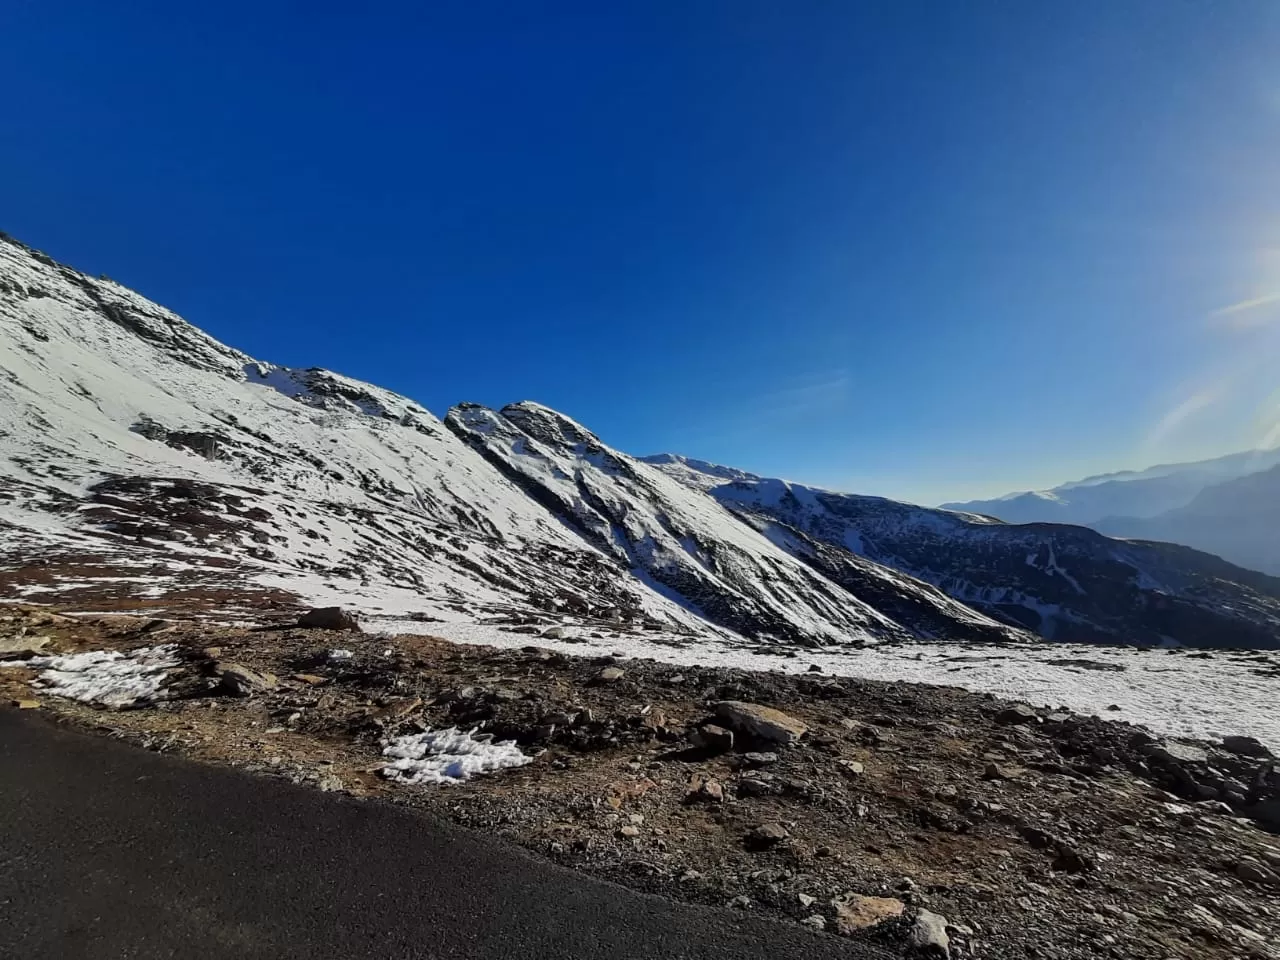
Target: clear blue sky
{"points": [[925, 249]]}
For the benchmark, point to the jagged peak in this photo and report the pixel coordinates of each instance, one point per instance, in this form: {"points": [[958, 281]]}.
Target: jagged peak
{"points": [[547, 425]]}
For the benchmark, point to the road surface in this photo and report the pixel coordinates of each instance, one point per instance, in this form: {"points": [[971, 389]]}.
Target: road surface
{"points": [[108, 851]]}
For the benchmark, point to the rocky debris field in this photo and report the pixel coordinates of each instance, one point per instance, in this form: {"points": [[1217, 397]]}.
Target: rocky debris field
{"points": [[930, 820]]}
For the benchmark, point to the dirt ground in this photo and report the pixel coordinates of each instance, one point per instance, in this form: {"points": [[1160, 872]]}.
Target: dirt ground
{"points": [[1030, 834]]}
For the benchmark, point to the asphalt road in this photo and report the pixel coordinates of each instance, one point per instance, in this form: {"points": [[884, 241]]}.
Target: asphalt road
{"points": [[109, 851]]}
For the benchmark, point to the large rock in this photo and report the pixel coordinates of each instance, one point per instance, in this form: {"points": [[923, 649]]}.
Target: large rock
{"points": [[1172, 752], [329, 618], [762, 723], [1246, 747], [855, 912], [1017, 714], [928, 935], [21, 648], [240, 681]]}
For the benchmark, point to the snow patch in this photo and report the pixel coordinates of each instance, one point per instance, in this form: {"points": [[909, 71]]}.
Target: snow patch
{"points": [[447, 756], [109, 677]]}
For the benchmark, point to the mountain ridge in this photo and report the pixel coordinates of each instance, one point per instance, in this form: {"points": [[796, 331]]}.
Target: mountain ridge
{"points": [[144, 458]]}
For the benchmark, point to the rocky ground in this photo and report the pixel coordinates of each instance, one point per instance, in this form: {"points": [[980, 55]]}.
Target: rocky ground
{"points": [[928, 819]]}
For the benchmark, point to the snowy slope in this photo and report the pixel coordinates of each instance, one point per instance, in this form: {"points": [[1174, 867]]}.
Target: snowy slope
{"points": [[133, 441], [733, 573], [141, 458], [137, 454], [1068, 583]]}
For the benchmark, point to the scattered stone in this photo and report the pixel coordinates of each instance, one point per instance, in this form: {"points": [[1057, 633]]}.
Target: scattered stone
{"points": [[329, 618], [395, 712], [806, 900], [855, 912], [997, 771], [610, 675], [817, 922], [27, 704], [1246, 747], [852, 767], [239, 681], [310, 679], [766, 835], [630, 830], [1017, 714], [928, 935], [763, 723], [759, 785], [554, 633], [705, 791]]}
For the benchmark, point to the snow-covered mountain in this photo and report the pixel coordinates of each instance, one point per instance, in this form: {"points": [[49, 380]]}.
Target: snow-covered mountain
{"points": [[1130, 493], [141, 458], [1067, 583], [138, 453], [689, 547], [1238, 520]]}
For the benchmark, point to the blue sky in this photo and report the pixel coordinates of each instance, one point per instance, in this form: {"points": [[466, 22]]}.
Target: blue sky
{"points": [[919, 249]]}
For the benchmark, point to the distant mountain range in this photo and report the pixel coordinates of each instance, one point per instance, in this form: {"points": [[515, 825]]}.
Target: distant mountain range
{"points": [[1229, 506], [142, 459]]}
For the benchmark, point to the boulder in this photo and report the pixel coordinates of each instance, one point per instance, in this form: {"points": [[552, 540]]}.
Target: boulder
{"points": [[240, 681], [855, 912], [1246, 747], [1172, 752], [1018, 713], [762, 723], [928, 936], [766, 835], [329, 618], [21, 648]]}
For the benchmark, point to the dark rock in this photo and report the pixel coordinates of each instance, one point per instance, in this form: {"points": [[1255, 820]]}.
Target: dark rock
{"points": [[329, 618], [713, 738], [1018, 713], [1246, 747], [766, 835]]}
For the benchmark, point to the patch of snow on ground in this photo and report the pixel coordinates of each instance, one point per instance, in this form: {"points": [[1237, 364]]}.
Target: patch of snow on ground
{"points": [[108, 677], [447, 756]]}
